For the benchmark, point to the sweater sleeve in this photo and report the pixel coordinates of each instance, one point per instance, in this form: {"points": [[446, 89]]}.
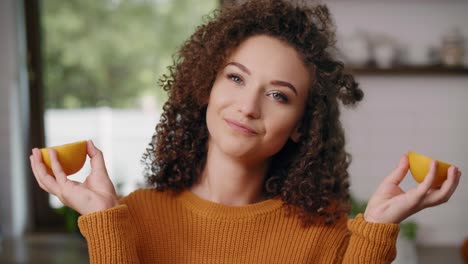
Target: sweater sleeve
{"points": [[110, 234], [369, 242]]}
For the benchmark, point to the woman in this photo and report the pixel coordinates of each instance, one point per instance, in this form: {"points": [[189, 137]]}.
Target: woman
{"points": [[247, 163]]}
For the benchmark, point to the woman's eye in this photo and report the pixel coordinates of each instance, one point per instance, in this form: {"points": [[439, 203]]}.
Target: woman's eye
{"points": [[235, 78], [279, 96]]}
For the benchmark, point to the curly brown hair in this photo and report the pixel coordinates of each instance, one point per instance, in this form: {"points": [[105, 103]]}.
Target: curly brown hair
{"points": [[310, 176]]}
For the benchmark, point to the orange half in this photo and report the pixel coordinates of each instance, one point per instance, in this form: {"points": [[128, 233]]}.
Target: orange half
{"points": [[419, 167], [71, 157]]}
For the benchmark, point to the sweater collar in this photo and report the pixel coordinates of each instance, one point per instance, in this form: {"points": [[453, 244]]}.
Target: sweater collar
{"points": [[216, 210]]}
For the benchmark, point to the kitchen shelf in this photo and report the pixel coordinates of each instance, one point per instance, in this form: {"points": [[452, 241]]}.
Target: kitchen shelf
{"points": [[410, 70]]}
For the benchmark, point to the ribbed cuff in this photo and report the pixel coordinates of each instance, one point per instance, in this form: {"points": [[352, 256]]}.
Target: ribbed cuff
{"points": [[376, 232], [372, 242], [110, 235]]}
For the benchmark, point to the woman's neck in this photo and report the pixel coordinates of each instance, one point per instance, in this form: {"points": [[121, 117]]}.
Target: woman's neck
{"points": [[230, 181]]}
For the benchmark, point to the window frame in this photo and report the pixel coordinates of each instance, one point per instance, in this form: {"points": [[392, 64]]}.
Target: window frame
{"points": [[44, 218]]}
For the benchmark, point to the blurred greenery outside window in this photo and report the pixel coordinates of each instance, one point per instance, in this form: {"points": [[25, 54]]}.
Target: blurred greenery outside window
{"points": [[112, 52], [102, 62]]}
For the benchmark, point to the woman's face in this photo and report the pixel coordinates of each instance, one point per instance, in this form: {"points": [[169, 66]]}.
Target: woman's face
{"points": [[257, 100]]}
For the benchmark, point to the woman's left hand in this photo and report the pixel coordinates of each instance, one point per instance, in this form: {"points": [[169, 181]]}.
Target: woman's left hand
{"points": [[390, 204]]}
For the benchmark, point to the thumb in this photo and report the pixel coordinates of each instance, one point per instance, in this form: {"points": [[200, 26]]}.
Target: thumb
{"points": [[399, 173], [97, 159]]}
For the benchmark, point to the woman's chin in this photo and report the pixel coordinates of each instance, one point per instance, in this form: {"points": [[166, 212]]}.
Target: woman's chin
{"points": [[241, 152]]}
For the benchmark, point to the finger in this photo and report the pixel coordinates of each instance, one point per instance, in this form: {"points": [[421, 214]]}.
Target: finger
{"points": [[426, 184], [437, 196], [96, 156], [59, 174], [399, 173], [42, 176], [457, 180], [68, 191], [442, 195], [456, 175], [37, 163], [34, 163], [31, 159]]}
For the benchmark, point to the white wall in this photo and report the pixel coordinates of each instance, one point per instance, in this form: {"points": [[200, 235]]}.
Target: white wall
{"points": [[427, 114], [14, 121]]}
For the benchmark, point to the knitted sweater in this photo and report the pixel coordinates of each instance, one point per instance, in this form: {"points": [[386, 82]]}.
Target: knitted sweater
{"points": [[160, 227]]}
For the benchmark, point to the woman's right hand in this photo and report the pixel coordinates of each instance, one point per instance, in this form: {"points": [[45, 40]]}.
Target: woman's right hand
{"points": [[96, 193]]}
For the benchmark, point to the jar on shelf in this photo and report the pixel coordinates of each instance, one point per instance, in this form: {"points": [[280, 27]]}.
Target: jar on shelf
{"points": [[355, 49], [452, 50]]}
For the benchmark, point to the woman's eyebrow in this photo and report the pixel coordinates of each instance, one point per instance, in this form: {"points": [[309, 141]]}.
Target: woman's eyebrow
{"points": [[286, 84], [275, 82], [240, 66]]}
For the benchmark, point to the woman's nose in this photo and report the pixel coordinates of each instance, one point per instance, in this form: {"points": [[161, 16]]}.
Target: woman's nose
{"points": [[250, 105]]}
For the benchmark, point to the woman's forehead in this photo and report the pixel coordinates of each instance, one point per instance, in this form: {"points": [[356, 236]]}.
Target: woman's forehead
{"points": [[272, 58]]}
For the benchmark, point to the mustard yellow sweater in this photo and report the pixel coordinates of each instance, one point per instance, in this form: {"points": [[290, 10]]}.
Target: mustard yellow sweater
{"points": [[159, 227]]}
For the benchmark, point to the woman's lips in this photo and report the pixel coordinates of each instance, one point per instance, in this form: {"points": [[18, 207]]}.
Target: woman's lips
{"points": [[241, 127]]}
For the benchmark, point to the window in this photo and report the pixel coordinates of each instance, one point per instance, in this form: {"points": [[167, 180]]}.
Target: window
{"points": [[101, 61]]}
